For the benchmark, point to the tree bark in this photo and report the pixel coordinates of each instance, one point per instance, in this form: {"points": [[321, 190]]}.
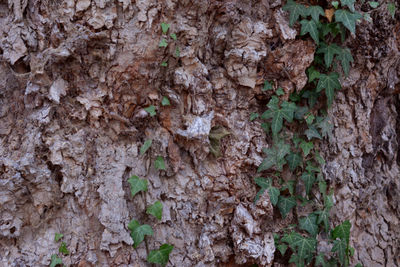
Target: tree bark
{"points": [[75, 77]]}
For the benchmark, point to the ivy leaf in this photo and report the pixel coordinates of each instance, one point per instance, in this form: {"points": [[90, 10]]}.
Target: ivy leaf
{"points": [[309, 224], [342, 231], [329, 52], [254, 116], [320, 260], [294, 160], [340, 246], [151, 110], [292, 239], [311, 132], [63, 248], [285, 204], [312, 74], [315, 12], [137, 185], [161, 255], [267, 86], [164, 64], [347, 18], [55, 260], [325, 126], [319, 159], [146, 146], [335, 4], [275, 156], [305, 247], [323, 217], [266, 184], [164, 27], [163, 43], [277, 114], [138, 232], [306, 147], [279, 91], [312, 168], [156, 210], [300, 112], [282, 248], [165, 101], [309, 180], [373, 4], [173, 36], [58, 236], [177, 52], [391, 7], [345, 58], [349, 4], [309, 26], [329, 82], [310, 118], [295, 10], [159, 163]]}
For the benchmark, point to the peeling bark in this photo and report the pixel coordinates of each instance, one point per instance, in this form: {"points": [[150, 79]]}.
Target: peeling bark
{"points": [[75, 77]]}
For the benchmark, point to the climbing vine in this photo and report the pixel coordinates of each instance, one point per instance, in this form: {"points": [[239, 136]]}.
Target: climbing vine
{"points": [[328, 27]]}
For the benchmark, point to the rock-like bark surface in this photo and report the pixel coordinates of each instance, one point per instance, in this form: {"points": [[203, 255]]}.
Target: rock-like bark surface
{"points": [[75, 77]]}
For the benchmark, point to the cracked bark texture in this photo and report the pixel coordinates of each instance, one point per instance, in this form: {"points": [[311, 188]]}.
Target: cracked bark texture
{"points": [[75, 77]]}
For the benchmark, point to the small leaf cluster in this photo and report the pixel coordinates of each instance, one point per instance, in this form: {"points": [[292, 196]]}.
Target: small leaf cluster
{"points": [[55, 259], [140, 231], [296, 126], [166, 39]]}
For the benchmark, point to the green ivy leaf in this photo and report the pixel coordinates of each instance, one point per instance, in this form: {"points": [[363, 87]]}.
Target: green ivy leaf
{"points": [[254, 116], [305, 247], [63, 248], [320, 260], [325, 126], [151, 110], [349, 4], [292, 239], [163, 43], [329, 82], [275, 156], [155, 210], [311, 168], [137, 185], [282, 248], [329, 52], [285, 204], [266, 184], [373, 4], [295, 10], [146, 146], [306, 147], [340, 246], [323, 217], [312, 74], [311, 132], [335, 4], [309, 224], [392, 9], [309, 26], [165, 101], [58, 236], [300, 112], [294, 160], [347, 18], [345, 58], [164, 27], [309, 180], [138, 232], [319, 158], [358, 265], [173, 36], [161, 255], [342, 231], [279, 91], [159, 163], [267, 86], [55, 260], [315, 12], [310, 118], [177, 52], [278, 114], [164, 64]]}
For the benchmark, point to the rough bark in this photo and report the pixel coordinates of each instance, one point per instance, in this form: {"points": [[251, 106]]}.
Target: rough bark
{"points": [[74, 79]]}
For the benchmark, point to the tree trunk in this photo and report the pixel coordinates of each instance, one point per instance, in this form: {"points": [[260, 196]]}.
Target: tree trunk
{"points": [[75, 79]]}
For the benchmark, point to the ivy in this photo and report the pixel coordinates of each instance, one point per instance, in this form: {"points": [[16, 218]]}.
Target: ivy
{"points": [[155, 210], [138, 232], [137, 185], [145, 146], [161, 255], [266, 184]]}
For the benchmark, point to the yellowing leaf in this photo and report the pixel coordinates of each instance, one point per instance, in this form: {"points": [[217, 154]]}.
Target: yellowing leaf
{"points": [[329, 14]]}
